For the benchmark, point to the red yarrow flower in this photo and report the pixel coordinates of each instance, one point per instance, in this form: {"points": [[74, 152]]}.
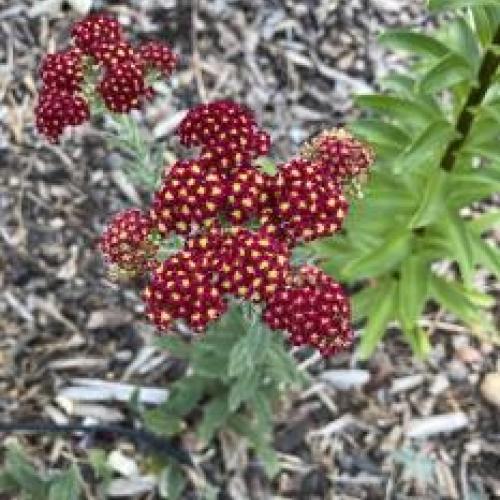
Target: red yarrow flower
{"points": [[344, 156], [126, 241], [123, 87], [305, 204], [182, 288], [57, 109], [158, 56], [314, 310], [247, 194], [63, 70], [227, 132], [94, 29], [111, 54], [191, 197], [248, 264]]}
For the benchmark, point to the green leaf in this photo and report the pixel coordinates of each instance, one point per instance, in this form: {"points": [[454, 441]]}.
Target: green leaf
{"points": [[162, 423], [243, 389], [19, 469], [486, 255], [418, 340], [455, 229], [413, 42], [7, 483], [432, 203], [384, 309], [175, 345], [484, 27], [485, 222], [398, 107], [66, 486], [381, 259], [427, 147], [172, 482], [249, 350], [281, 364], [457, 4], [377, 131], [185, 394], [215, 414], [413, 283], [266, 165], [468, 187], [462, 40], [362, 301], [448, 71], [452, 298]]}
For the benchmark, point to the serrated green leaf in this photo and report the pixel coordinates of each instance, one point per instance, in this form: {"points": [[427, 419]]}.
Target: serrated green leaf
{"points": [[19, 469], [383, 310], [66, 485], [413, 288], [215, 414], [172, 482], [7, 483], [448, 71], [184, 395], [433, 200], [458, 4], [162, 423], [427, 147], [381, 259], [174, 345], [413, 42], [242, 389], [249, 350]]}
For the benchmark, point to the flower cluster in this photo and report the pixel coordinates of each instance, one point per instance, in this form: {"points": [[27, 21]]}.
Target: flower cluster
{"points": [[314, 310], [98, 48], [240, 226], [127, 242]]}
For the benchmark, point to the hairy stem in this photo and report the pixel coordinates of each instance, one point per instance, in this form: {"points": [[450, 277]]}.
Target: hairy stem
{"points": [[465, 119]]}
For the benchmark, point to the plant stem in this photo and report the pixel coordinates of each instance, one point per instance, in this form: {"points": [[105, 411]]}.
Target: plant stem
{"points": [[465, 119]]}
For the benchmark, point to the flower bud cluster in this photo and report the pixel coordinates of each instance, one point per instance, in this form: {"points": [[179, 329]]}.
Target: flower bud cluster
{"points": [[98, 46]]}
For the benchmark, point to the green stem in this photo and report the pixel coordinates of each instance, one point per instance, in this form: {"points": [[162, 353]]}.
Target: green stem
{"points": [[465, 119]]}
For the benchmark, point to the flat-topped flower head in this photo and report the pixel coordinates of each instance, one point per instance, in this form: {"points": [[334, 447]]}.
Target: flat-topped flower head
{"points": [[58, 109], [191, 197], [227, 133], [344, 156], [111, 54], [314, 310], [251, 264], [247, 194], [158, 56], [182, 287], [126, 241], [94, 29], [63, 70], [305, 203], [122, 88]]}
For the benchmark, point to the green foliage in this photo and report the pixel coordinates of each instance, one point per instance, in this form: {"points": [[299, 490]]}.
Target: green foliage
{"points": [[237, 373], [436, 133], [19, 477]]}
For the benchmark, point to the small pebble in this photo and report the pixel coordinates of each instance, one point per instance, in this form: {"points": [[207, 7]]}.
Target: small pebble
{"points": [[457, 370], [439, 384], [490, 388]]}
